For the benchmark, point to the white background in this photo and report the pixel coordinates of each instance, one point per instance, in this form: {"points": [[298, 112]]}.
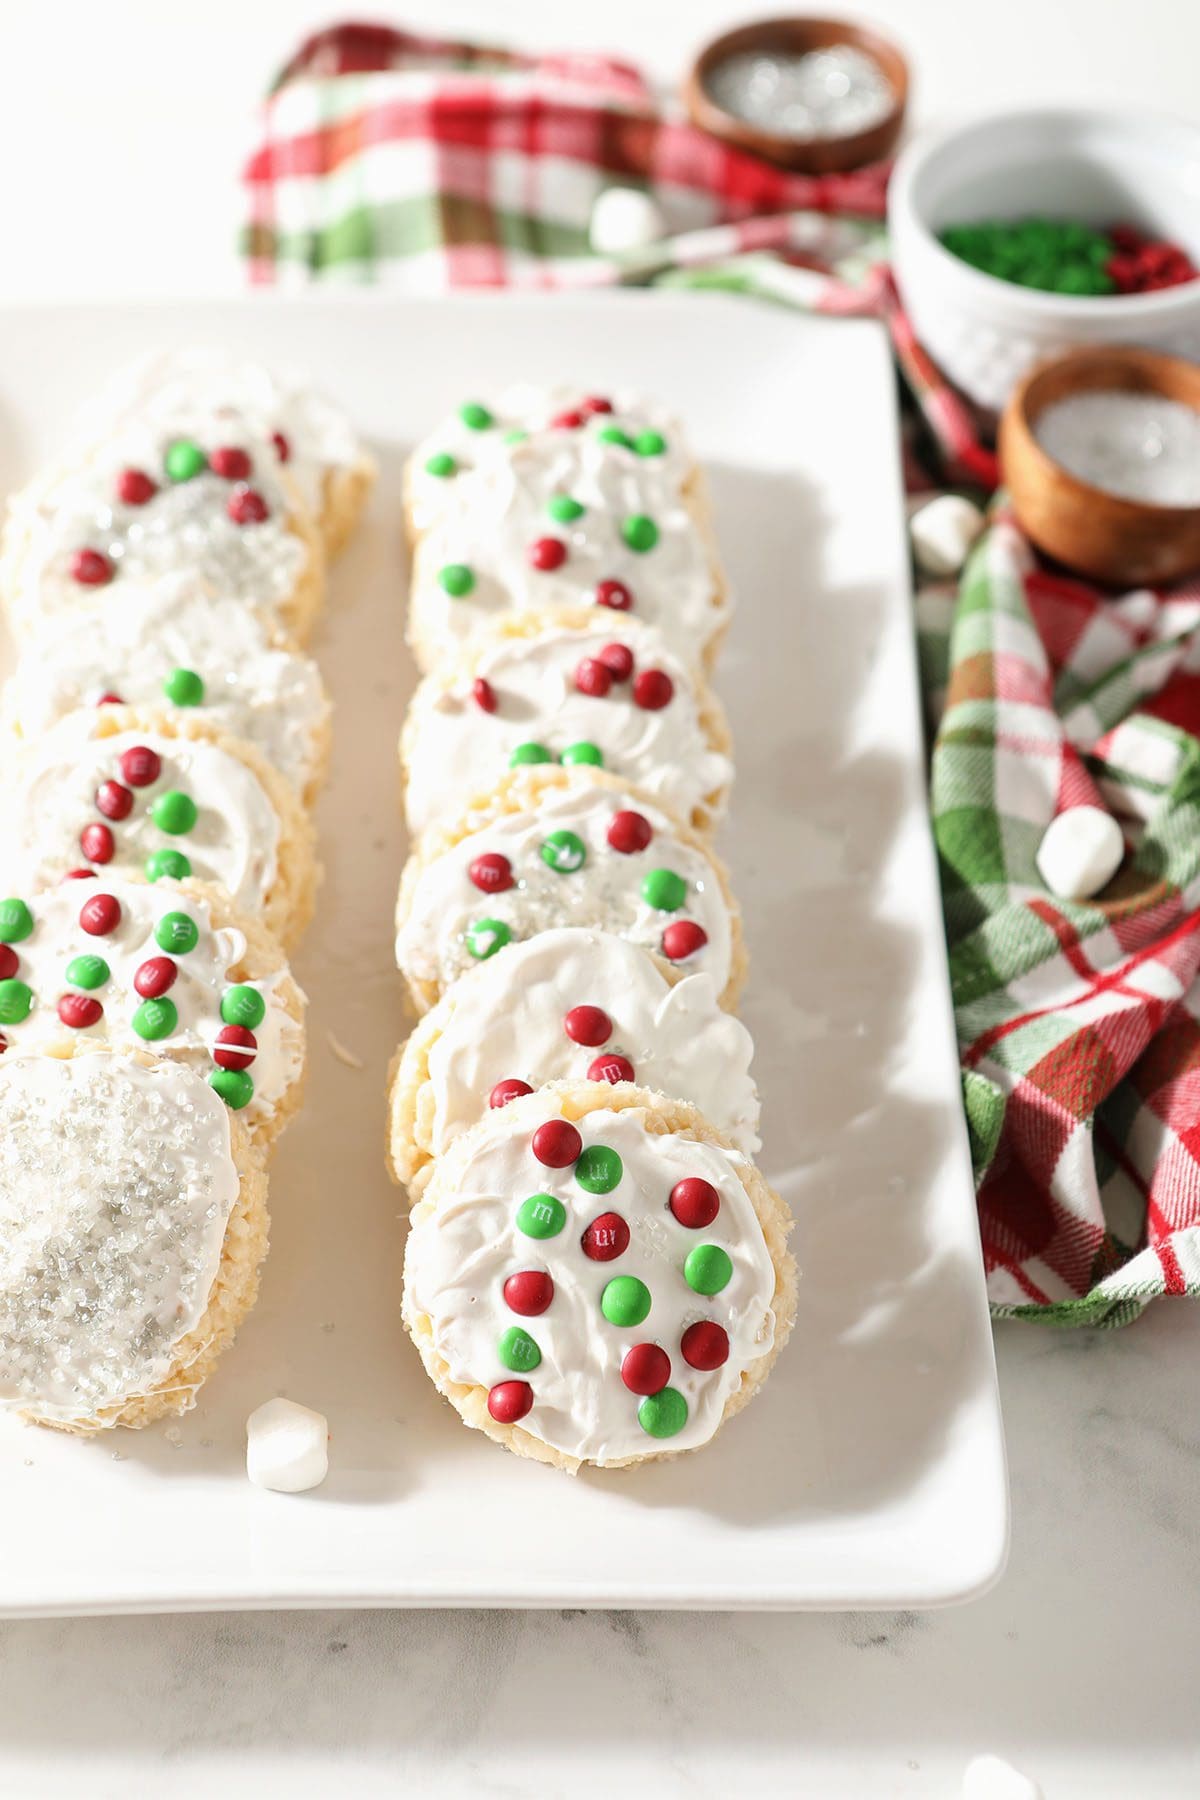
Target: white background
{"points": [[120, 133]]}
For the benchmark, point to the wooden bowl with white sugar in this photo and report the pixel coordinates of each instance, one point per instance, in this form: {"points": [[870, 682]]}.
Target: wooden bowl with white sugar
{"points": [[1100, 452]]}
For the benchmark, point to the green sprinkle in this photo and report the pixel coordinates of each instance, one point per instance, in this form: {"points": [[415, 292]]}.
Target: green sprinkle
{"points": [[664, 890], [564, 509], [176, 933], [88, 972], [518, 1351], [598, 1169], [707, 1269], [514, 437], [243, 1006], [183, 687], [612, 434], [564, 852], [155, 1019], [625, 1301], [441, 464], [174, 812], [235, 1087], [16, 921], [583, 752], [541, 1216], [486, 936], [475, 417], [640, 532], [456, 580], [16, 1000], [664, 1414], [528, 753], [172, 863], [184, 460], [649, 443]]}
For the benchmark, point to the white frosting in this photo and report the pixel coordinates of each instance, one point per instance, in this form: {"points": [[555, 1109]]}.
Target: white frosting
{"points": [[196, 993], [234, 842], [498, 512], [459, 750], [604, 894], [524, 407], [253, 688], [461, 1252], [184, 529], [116, 1185], [504, 1021], [192, 390]]}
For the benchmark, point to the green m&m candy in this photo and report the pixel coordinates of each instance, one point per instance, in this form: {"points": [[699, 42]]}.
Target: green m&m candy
{"points": [[612, 434], [486, 936], [707, 1269], [564, 852], [155, 1019], [184, 460], [243, 1006], [649, 443], [541, 1216], [16, 921], [563, 508], [174, 812], [625, 1301], [16, 1001], [441, 464], [528, 753], [176, 933], [518, 1351], [183, 687], [457, 580], [664, 890], [88, 972], [582, 752], [640, 532], [172, 863], [235, 1087], [598, 1169], [664, 1414], [474, 416]]}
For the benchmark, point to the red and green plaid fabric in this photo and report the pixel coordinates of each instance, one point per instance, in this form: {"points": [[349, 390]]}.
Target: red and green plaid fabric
{"points": [[429, 165]]}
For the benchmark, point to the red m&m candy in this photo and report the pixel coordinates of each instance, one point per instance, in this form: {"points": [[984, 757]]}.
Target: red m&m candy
{"points": [[141, 766], [646, 1369], [491, 873], [97, 843], [246, 506], [78, 1011], [529, 1292], [235, 1047], [653, 689], [593, 678], [91, 568], [566, 421], [509, 1089], [113, 800], [606, 1238], [547, 553], [629, 832], [484, 695], [705, 1345], [509, 1401], [556, 1144], [611, 1067], [135, 488], [682, 940], [588, 1025], [618, 660], [9, 961], [230, 463], [152, 978], [101, 914], [695, 1202], [80, 875], [614, 594]]}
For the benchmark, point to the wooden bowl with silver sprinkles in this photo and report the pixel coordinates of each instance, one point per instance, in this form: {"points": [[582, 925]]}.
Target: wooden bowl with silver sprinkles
{"points": [[1100, 453], [815, 95]]}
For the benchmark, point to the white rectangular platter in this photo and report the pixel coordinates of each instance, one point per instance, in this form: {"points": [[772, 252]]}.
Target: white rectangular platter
{"points": [[870, 1473]]}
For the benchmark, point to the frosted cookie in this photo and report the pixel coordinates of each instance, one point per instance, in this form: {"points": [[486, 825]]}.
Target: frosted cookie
{"points": [[133, 1219], [203, 387], [597, 1276], [566, 1005], [169, 970], [560, 523], [569, 688], [173, 648], [130, 793], [481, 432], [150, 504], [550, 847]]}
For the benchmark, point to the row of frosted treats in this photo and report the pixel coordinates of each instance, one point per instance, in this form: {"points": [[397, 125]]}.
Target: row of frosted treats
{"points": [[163, 736], [596, 1273]]}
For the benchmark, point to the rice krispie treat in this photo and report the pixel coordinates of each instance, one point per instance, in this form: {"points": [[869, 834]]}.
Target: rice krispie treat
{"points": [[559, 522], [573, 688], [172, 648], [167, 969], [133, 1220], [549, 847], [149, 502], [595, 1275], [122, 792]]}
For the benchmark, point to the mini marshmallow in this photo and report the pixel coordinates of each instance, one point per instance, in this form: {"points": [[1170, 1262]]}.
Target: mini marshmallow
{"points": [[624, 219], [1080, 852], [943, 532], [287, 1447], [991, 1778]]}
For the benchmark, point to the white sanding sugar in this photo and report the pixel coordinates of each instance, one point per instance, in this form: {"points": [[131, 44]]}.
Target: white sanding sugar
{"points": [[1137, 446], [116, 1185]]}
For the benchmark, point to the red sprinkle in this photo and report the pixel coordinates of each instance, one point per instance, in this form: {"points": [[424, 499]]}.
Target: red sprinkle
{"points": [[97, 843], [588, 1025], [101, 914], [614, 594], [230, 463], [110, 700], [606, 1238], [491, 873], [246, 506], [152, 978], [611, 1067], [529, 1293], [618, 660], [113, 800], [705, 1345], [653, 689], [646, 1369], [596, 403], [80, 875], [547, 553], [566, 421], [141, 766], [509, 1089], [9, 961], [235, 1048], [79, 1011], [556, 1143], [91, 568], [135, 487], [592, 677], [629, 832], [695, 1202], [683, 939], [509, 1401], [484, 695], [283, 449]]}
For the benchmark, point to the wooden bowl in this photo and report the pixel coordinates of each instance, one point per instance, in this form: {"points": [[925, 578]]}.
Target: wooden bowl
{"points": [[813, 156], [1127, 543]]}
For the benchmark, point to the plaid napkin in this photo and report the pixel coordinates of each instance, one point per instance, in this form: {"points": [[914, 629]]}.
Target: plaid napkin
{"points": [[432, 165]]}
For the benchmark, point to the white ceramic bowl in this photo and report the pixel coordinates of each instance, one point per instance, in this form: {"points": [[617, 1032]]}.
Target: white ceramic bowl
{"points": [[1102, 167]]}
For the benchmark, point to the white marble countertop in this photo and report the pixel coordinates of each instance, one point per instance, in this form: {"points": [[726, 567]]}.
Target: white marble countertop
{"points": [[1080, 1666]]}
